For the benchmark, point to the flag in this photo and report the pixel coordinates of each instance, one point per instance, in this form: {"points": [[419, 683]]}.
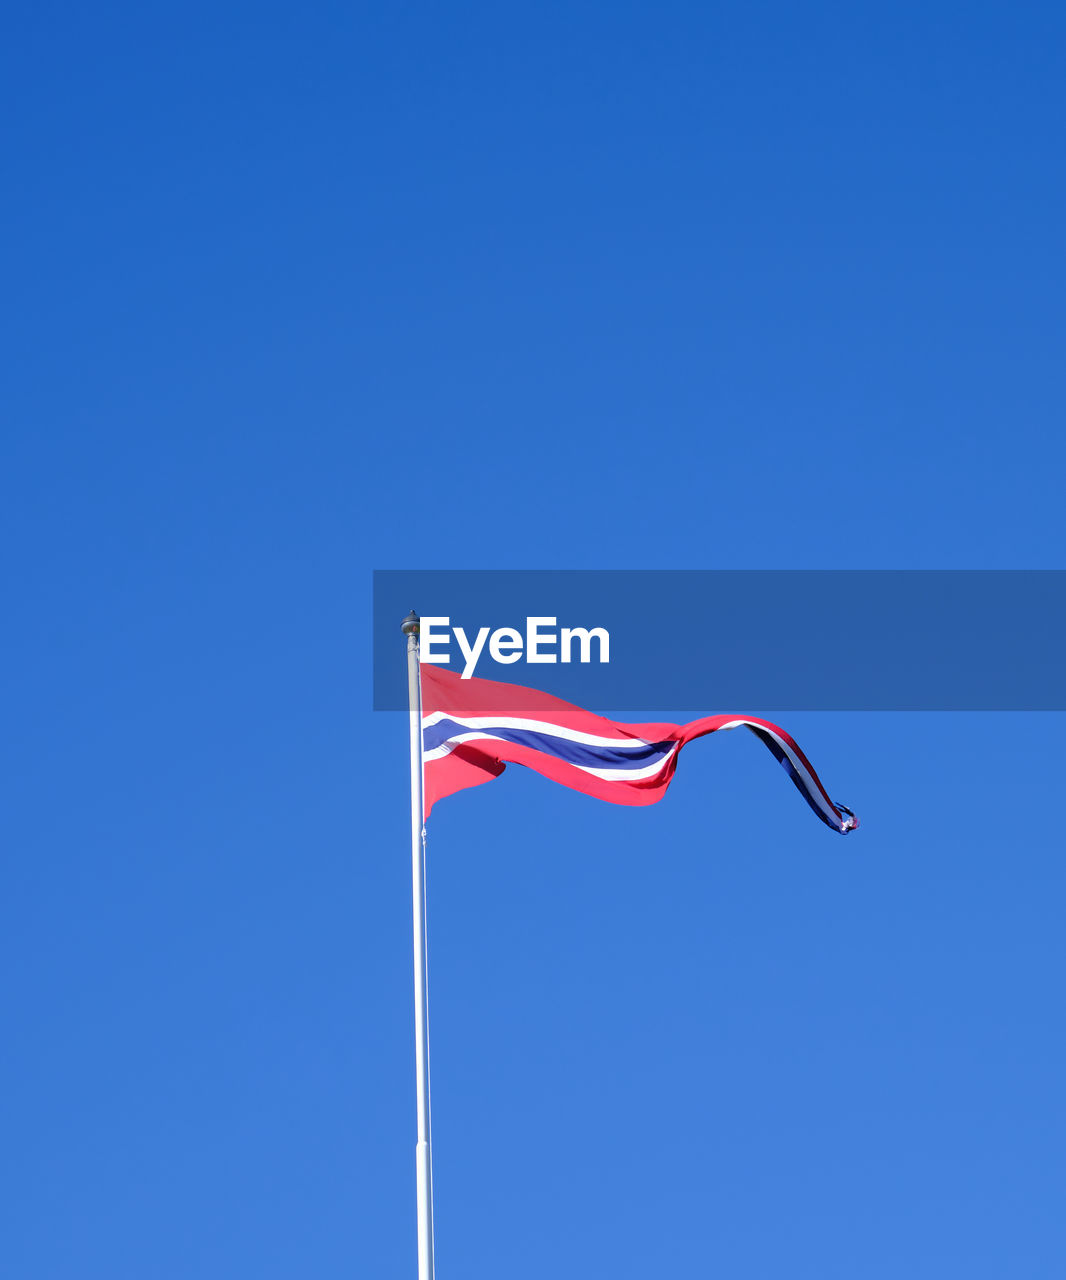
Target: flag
{"points": [[470, 732]]}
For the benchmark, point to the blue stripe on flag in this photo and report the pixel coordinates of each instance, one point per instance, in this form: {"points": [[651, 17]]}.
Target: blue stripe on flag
{"points": [[636, 755], [797, 780]]}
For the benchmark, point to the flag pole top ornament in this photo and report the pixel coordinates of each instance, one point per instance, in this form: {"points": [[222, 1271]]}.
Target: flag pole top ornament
{"points": [[409, 626]]}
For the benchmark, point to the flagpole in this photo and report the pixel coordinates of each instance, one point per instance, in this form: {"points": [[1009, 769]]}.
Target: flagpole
{"points": [[423, 1149]]}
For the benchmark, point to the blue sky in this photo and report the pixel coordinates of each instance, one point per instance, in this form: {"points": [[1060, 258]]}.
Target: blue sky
{"points": [[296, 294]]}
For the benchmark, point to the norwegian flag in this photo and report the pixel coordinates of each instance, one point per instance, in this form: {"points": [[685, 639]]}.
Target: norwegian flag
{"points": [[470, 732]]}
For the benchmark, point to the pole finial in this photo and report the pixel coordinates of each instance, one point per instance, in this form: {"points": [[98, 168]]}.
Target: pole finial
{"points": [[409, 626]]}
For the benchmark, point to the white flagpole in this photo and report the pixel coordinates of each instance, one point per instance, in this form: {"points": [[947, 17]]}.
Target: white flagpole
{"points": [[423, 1150]]}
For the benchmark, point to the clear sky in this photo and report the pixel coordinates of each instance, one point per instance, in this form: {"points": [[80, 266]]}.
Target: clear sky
{"points": [[294, 292]]}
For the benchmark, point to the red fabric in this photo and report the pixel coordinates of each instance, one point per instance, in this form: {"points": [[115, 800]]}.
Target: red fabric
{"points": [[470, 763]]}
